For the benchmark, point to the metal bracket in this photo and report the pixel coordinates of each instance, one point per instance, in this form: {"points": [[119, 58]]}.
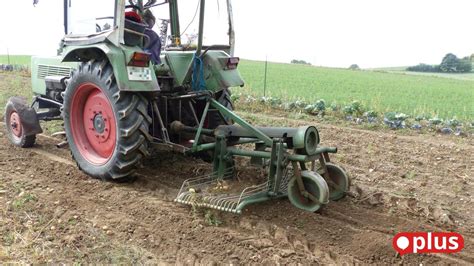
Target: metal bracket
{"points": [[277, 164], [220, 156], [201, 125], [164, 131]]}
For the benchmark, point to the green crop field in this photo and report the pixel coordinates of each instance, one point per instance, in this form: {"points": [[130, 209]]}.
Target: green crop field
{"points": [[462, 76], [16, 59], [445, 95], [402, 70], [380, 91]]}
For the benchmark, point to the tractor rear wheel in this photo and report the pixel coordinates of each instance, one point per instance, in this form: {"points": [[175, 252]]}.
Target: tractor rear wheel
{"points": [[107, 130], [15, 131], [224, 98]]}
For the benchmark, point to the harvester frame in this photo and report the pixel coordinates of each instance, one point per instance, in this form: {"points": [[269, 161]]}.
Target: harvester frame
{"points": [[117, 107]]}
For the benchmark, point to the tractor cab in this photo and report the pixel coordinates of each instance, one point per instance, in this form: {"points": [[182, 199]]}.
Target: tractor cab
{"points": [[116, 28]]}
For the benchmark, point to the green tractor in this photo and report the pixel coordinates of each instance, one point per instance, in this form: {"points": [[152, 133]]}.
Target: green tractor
{"points": [[118, 106]]}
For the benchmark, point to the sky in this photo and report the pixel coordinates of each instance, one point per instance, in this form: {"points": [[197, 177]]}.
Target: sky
{"points": [[335, 33]]}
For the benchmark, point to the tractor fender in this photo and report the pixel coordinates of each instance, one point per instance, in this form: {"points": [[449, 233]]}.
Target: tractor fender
{"points": [[217, 74], [28, 116], [118, 57]]}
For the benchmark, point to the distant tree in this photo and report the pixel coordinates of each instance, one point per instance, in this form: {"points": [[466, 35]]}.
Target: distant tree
{"points": [[300, 62], [354, 67], [472, 58], [423, 68], [450, 63], [465, 65]]}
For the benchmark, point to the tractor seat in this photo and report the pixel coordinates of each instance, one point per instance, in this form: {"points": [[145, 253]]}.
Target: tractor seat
{"points": [[134, 29]]}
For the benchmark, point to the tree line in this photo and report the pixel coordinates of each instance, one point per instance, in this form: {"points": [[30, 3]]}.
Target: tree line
{"points": [[300, 62], [450, 64]]}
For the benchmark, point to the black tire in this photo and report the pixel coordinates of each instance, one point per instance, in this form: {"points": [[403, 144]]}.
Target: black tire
{"points": [[22, 141], [224, 98], [131, 122]]}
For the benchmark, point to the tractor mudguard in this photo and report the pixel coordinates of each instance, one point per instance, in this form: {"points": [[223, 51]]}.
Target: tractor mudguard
{"points": [[29, 119], [118, 58], [218, 74]]}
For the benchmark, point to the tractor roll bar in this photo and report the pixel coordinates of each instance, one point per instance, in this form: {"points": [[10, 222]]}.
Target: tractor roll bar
{"points": [[66, 17], [201, 27]]}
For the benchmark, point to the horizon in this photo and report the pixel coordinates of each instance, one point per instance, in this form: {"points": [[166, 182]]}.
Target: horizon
{"points": [[289, 63]]}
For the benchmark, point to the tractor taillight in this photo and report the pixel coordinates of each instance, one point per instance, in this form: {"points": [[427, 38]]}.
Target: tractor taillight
{"points": [[140, 60], [233, 62]]}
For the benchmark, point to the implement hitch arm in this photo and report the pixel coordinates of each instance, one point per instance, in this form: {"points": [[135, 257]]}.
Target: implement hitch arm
{"points": [[256, 132]]}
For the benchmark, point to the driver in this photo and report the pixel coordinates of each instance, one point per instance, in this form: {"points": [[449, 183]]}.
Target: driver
{"points": [[154, 44]]}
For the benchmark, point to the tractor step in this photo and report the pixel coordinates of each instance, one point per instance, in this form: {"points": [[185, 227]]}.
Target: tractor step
{"points": [[226, 193]]}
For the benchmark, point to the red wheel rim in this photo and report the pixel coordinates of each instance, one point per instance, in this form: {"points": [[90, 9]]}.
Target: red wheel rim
{"points": [[15, 125], [93, 124]]}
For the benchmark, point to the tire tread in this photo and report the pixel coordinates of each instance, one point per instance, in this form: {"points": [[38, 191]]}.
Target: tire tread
{"points": [[132, 119]]}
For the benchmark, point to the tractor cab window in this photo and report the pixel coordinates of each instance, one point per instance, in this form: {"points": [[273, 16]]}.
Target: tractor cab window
{"points": [[216, 25], [90, 16]]}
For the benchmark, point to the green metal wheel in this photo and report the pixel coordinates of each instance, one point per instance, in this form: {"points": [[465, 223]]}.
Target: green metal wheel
{"points": [[315, 185], [338, 182]]}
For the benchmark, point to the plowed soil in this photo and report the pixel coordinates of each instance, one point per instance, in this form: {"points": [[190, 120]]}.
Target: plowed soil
{"points": [[52, 212]]}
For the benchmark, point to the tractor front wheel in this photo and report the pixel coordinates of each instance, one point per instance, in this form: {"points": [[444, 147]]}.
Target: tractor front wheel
{"points": [[15, 131], [107, 130]]}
